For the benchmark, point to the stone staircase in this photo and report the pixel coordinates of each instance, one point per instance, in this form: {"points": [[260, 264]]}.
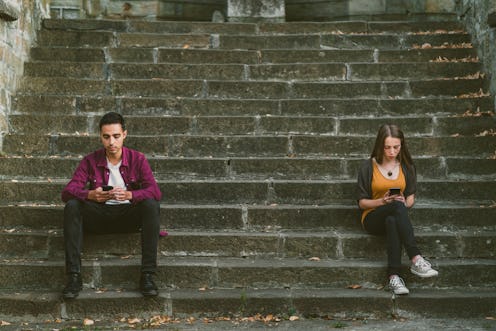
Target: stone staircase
{"points": [[255, 133]]}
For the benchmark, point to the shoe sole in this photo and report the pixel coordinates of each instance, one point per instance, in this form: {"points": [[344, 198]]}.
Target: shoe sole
{"points": [[402, 293], [424, 275]]}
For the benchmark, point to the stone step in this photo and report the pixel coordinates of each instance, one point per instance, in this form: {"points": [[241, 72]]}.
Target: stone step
{"points": [[328, 244], [328, 303], [271, 72], [212, 273], [221, 56], [304, 192], [436, 125], [325, 168], [52, 104], [341, 41], [243, 28], [247, 145], [252, 89], [316, 40], [443, 216]]}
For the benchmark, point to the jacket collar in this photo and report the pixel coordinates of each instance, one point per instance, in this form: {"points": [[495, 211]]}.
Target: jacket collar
{"points": [[101, 158]]}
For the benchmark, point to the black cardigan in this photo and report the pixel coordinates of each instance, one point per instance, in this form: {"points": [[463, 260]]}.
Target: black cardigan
{"points": [[364, 187]]}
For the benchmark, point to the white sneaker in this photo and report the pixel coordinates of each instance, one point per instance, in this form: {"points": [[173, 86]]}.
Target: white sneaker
{"points": [[397, 285], [423, 269]]}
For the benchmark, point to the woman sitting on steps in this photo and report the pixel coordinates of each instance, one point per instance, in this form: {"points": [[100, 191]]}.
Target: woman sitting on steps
{"points": [[386, 190]]}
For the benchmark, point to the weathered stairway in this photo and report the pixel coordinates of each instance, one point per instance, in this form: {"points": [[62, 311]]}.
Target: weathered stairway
{"points": [[255, 133]]}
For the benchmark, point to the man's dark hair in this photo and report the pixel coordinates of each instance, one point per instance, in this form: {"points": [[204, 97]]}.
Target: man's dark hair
{"points": [[112, 118]]}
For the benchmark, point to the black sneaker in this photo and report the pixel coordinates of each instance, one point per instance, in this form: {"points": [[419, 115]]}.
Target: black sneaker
{"points": [[147, 285], [73, 287]]}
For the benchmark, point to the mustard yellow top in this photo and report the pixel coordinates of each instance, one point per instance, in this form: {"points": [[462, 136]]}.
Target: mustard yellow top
{"points": [[381, 184]]}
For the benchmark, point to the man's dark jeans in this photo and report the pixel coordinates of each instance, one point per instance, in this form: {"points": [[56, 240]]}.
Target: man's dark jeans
{"points": [[99, 218]]}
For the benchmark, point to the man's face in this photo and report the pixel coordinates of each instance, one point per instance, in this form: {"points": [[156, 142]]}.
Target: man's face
{"points": [[112, 137]]}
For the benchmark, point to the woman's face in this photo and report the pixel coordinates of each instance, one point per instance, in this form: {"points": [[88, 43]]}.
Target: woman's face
{"points": [[392, 147]]}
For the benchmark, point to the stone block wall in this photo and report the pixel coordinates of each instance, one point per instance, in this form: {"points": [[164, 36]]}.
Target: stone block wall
{"points": [[480, 20], [19, 21]]}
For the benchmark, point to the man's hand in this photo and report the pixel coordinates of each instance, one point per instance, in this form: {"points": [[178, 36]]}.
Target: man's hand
{"points": [[99, 195], [121, 194]]}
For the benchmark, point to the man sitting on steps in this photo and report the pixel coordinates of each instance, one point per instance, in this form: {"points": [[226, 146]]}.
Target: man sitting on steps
{"points": [[113, 190]]}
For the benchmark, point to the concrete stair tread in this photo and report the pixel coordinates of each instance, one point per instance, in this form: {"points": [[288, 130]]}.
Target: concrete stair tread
{"points": [[307, 302], [68, 55]]}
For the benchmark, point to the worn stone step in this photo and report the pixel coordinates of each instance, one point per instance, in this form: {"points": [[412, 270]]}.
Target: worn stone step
{"points": [[305, 192], [69, 54], [396, 41], [444, 216], [251, 89], [428, 54], [243, 28], [195, 273], [50, 104], [326, 168], [159, 27], [329, 303], [92, 39], [247, 145], [197, 56], [258, 125], [333, 244], [271, 72]]}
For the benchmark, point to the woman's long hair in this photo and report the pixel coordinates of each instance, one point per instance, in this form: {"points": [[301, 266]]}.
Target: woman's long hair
{"points": [[391, 130]]}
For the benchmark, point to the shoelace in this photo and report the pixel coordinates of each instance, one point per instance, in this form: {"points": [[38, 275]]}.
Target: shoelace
{"points": [[397, 281], [423, 264]]}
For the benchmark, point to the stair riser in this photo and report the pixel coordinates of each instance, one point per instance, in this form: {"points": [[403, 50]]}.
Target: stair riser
{"points": [[251, 304], [289, 169], [247, 146], [232, 107], [261, 218], [245, 28], [200, 56], [325, 71], [258, 125], [260, 192], [233, 276], [329, 245]]}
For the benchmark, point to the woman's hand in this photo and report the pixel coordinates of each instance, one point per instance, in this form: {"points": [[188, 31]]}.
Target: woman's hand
{"points": [[387, 198]]}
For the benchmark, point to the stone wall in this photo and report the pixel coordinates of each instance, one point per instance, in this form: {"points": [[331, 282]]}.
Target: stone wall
{"points": [[19, 21], [480, 20]]}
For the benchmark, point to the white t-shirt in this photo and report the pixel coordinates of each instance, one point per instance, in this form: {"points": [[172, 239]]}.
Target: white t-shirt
{"points": [[115, 180]]}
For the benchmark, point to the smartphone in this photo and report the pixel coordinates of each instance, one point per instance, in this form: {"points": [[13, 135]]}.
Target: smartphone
{"points": [[394, 191], [107, 187]]}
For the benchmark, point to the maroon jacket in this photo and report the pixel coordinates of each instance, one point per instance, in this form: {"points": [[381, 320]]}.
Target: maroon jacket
{"points": [[92, 172]]}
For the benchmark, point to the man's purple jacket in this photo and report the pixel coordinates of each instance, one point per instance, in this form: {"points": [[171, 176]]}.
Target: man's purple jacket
{"points": [[92, 172]]}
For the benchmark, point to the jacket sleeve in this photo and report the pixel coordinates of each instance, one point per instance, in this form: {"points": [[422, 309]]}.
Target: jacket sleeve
{"points": [[148, 187], [364, 181], [411, 180], [76, 188]]}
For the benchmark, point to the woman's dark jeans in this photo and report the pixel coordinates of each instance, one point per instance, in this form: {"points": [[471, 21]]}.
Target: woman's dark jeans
{"points": [[392, 221], [99, 218]]}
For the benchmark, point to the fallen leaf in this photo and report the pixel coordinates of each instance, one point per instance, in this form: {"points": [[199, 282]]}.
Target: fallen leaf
{"points": [[294, 318], [88, 322], [354, 287], [133, 321]]}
